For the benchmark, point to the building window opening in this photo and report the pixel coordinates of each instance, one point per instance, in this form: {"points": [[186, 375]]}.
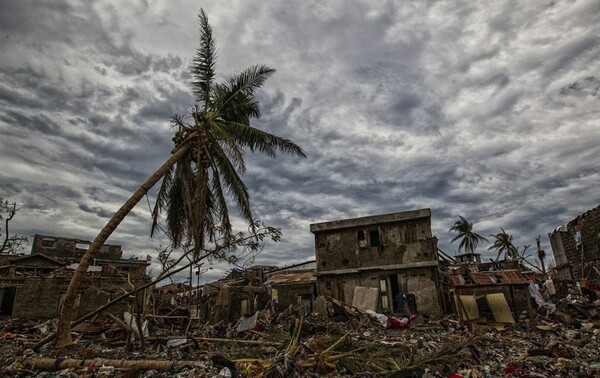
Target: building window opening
{"points": [[48, 243], [361, 237], [410, 234], [84, 246], [375, 240]]}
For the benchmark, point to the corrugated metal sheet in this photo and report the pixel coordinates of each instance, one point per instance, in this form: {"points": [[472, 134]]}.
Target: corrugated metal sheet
{"points": [[498, 277], [506, 277], [291, 278]]}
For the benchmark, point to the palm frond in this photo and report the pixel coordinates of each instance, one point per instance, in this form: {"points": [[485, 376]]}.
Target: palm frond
{"points": [[256, 139], [176, 212], [221, 204], [235, 186], [243, 84], [232, 149], [203, 66], [161, 199]]}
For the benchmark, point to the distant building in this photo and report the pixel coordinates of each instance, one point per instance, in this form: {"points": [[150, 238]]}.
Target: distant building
{"points": [[393, 255], [70, 251], [33, 286]]}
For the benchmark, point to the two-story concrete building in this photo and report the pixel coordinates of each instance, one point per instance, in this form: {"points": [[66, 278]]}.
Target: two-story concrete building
{"points": [[395, 255]]}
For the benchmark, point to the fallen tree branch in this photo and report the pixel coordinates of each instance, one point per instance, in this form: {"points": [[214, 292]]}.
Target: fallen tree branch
{"points": [[263, 232]]}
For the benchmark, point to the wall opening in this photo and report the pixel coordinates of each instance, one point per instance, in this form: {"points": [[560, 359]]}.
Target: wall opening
{"points": [[7, 299], [84, 246], [48, 243], [374, 239]]}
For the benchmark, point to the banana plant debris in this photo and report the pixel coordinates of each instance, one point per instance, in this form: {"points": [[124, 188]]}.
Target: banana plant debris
{"points": [[564, 342]]}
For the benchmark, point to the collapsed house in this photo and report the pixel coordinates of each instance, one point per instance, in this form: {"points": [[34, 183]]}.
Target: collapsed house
{"points": [[576, 249], [33, 286], [385, 263], [293, 286], [486, 290]]}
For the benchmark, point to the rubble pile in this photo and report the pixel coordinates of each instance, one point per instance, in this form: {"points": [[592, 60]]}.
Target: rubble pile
{"points": [[565, 342]]}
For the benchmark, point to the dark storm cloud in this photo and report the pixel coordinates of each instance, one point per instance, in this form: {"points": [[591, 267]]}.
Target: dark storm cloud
{"points": [[15, 98], [37, 123], [484, 110], [96, 210]]}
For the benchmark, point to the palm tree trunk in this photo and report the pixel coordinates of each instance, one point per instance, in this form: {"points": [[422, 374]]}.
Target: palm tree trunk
{"points": [[63, 337]]}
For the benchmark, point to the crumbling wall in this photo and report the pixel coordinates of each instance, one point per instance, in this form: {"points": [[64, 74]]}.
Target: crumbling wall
{"points": [[39, 297], [288, 294], [576, 247], [340, 249], [422, 282]]}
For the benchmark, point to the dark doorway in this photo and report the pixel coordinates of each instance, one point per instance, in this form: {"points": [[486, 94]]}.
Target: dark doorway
{"points": [[395, 292], [8, 299]]}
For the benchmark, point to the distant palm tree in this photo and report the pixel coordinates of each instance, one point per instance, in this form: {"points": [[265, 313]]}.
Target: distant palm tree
{"points": [[503, 242], [470, 239], [205, 164]]}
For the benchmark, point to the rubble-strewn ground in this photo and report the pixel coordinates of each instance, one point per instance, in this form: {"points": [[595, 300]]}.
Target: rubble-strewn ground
{"points": [[284, 346]]}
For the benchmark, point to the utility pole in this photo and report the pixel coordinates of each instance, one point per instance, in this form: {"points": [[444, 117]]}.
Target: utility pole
{"points": [[198, 272], [541, 253], [198, 291]]}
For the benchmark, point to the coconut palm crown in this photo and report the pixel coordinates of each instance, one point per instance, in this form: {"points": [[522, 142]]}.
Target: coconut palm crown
{"points": [[503, 242], [470, 239], [194, 192]]}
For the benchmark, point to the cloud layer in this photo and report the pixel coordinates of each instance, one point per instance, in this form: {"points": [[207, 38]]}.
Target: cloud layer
{"points": [[488, 110]]}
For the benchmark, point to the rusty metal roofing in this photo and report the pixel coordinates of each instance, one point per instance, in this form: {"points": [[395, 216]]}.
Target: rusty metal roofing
{"points": [[457, 280], [511, 277], [502, 277], [291, 278]]}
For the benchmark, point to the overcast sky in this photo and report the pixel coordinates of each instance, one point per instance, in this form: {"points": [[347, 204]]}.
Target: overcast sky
{"points": [[485, 109]]}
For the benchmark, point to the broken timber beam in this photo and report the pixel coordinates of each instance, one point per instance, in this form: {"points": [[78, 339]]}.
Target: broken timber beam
{"points": [[240, 341], [57, 364]]}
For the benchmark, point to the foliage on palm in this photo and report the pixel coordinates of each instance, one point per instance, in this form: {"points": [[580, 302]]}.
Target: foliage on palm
{"points": [[193, 193], [503, 242], [469, 239]]}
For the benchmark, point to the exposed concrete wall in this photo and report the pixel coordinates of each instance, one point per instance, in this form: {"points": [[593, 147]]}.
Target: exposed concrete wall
{"points": [[422, 282], [402, 243]]}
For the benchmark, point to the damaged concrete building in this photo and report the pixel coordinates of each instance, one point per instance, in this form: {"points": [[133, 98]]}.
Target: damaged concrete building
{"points": [[294, 286], [576, 248], [32, 286], [387, 263]]}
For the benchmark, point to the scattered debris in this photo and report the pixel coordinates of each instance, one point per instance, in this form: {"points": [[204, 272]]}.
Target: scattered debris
{"points": [[352, 343]]}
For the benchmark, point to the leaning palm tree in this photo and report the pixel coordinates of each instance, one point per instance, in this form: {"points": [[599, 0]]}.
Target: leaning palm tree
{"points": [[470, 239], [206, 163], [503, 242]]}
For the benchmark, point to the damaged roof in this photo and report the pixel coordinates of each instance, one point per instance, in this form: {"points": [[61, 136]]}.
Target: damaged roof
{"points": [[291, 278], [503, 277]]}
